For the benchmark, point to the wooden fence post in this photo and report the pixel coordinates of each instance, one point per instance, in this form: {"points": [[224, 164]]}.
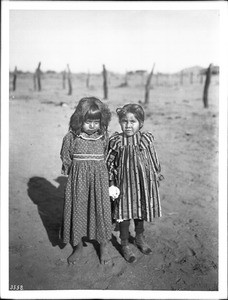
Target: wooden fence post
{"points": [[36, 78], [147, 87], [206, 86], [34, 81], [64, 79], [14, 78], [105, 84], [38, 74], [69, 80]]}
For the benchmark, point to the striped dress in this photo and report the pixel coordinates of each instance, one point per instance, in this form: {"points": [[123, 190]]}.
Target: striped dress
{"points": [[134, 168]]}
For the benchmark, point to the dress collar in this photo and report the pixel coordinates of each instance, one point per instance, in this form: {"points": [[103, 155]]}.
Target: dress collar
{"points": [[92, 137], [132, 140]]}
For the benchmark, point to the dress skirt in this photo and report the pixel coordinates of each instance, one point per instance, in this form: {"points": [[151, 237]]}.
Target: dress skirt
{"points": [[87, 207], [134, 167]]}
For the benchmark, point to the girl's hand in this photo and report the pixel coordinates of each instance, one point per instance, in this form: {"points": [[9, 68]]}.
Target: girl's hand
{"points": [[114, 192]]}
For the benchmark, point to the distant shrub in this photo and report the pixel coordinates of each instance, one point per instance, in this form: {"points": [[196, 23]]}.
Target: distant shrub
{"points": [[50, 72]]}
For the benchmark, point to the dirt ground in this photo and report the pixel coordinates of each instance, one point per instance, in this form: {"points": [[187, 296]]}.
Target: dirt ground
{"points": [[184, 241]]}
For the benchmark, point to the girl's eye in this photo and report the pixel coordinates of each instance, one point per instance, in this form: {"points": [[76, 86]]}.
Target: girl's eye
{"points": [[90, 122]]}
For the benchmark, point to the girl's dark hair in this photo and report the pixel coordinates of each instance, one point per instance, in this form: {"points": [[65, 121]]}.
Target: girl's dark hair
{"points": [[90, 108], [93, 113], [135, 109]]}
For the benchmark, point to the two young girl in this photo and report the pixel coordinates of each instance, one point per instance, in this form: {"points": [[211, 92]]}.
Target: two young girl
{"points": [[129, 166]]}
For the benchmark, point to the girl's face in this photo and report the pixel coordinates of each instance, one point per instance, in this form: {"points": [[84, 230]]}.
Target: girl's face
{"points": [[91, 126], [129, 124]]}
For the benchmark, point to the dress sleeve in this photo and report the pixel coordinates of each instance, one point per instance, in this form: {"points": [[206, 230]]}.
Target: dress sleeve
{"points": [[152, 151], [112, 158], [105, 144], [65, 154]]}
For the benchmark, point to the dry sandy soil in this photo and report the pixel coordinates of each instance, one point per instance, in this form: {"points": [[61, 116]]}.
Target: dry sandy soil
{"points": [[184, 241]]}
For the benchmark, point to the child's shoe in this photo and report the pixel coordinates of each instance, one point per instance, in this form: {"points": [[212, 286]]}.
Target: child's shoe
{"points": [[141, 244], [127, 253]]}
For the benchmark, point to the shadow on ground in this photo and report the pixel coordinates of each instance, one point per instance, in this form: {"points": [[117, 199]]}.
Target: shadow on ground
{"points": [[49, 200]]}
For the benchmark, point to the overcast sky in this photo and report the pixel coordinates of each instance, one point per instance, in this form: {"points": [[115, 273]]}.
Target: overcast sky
{"points": [[123, 40]]}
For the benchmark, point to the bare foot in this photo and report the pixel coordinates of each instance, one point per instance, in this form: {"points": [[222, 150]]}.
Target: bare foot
{"points": [[105, 256], [75, 254]]}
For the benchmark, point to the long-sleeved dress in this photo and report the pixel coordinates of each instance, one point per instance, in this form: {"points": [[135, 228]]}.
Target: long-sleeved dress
{"points": [[87, 211], [134, 168]]}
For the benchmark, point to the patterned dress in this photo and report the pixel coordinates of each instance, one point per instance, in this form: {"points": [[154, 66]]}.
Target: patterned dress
{"points": [[134, 167], [87, 210]]}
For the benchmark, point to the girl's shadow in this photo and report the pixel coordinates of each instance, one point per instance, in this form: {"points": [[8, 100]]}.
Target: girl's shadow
{"points": [[49, 201]]}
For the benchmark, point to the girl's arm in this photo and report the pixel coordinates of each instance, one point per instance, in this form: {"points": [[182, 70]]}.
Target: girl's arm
{"points": [[112, 158], [159, 176], [66, 155], [111, 165], [154, 156], [105, 144], [114, 191]]}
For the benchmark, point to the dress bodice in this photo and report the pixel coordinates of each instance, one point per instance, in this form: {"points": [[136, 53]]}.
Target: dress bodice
{"points": [[84, 145]]}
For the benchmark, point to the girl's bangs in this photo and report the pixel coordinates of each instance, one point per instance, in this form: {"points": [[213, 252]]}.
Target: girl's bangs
{"points": [[93, 115]]}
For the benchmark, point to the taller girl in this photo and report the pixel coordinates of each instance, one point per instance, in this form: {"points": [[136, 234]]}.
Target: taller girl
{"points": [[87, 210], [135, 169]]}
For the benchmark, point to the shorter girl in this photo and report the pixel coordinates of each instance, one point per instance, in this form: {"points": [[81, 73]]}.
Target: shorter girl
{"points": [[134, 168], [87, 211]]}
